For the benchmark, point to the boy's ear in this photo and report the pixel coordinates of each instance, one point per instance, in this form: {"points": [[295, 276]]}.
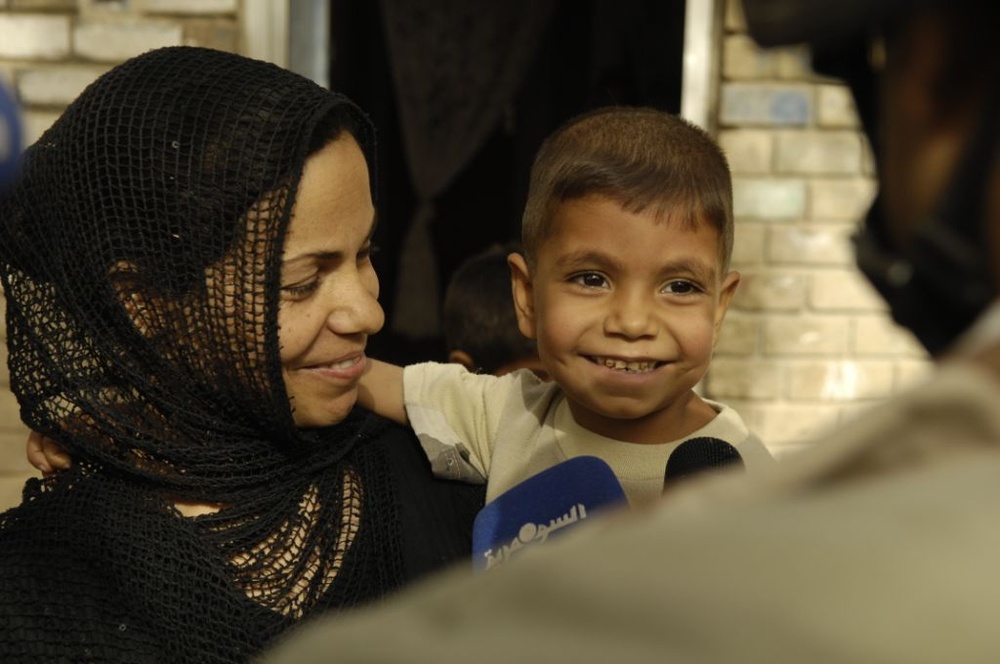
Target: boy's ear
{"points": [[523, 292], [463, 358], [729, 284]]}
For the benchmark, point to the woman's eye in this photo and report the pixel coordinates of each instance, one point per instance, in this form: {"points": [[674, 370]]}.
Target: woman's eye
{"points": [[590, 280], [367, 252], [681, 287], [301, 290]]}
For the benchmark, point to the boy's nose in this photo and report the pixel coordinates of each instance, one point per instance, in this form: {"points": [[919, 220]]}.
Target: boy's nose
{"points": [[631, 316]]}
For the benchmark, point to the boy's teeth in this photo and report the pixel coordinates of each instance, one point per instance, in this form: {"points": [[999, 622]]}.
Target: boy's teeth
{"points": [[621, 365]]}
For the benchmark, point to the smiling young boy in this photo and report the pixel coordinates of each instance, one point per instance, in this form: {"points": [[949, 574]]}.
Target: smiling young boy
{"points": [[624, 283]]}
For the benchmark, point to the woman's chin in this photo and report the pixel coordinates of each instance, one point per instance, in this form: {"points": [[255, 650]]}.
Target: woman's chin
{"points": [[315, 416]]}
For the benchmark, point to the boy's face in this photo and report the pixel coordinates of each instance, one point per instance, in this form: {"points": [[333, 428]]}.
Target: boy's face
{"points": [[626, 309]]}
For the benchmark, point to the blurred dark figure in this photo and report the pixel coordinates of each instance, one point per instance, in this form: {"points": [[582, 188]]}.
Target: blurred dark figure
{"points": [[479, 321]]}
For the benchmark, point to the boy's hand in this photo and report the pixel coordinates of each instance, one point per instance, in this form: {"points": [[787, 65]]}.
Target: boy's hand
{"points": [[46, 454]]}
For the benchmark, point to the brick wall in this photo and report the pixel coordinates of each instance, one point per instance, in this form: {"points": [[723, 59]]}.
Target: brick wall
{"points": [[807, 342], [49, 51]]}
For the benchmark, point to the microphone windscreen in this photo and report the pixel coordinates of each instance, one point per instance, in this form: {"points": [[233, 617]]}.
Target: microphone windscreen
{"points": [[10, 136], [697, 455], [543, 506]]}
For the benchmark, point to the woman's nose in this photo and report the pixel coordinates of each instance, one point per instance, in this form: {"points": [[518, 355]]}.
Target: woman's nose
{"points": [[356, 308]]}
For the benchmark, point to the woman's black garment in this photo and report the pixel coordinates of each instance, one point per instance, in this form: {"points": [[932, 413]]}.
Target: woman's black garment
{"points": [[140, 255], [100, 569]]}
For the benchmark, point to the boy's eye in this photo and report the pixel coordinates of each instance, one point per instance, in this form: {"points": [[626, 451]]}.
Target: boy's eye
{"points": [[590, 280], [681, 287]]}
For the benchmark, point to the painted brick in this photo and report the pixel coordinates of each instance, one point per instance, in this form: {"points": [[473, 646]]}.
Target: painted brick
{"points": [[36, 122], [766, 104], [805, 335], [740, 335], [840, 198], [769, 198], [910, 373], [40, 5], [220, 35], [743, 379], [742, 59], [734, 19], [748, 243], [771, 290], [835, 107], [34, 36], [812, 244], [794, 63], [4, 373], [785, 425], [11, 487], [843, 290], [15, 436], [839, 380], [55, 85], [818, 152], [190, 6], [879, 335], [748, 150], [114, 41], [867, 158]]}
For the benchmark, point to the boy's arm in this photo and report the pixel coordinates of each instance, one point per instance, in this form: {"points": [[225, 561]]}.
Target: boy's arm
{"points": [[381, 391], [46, 454]]}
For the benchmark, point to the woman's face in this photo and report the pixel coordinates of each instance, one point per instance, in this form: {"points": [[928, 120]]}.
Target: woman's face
{"points": [[329, 289]]}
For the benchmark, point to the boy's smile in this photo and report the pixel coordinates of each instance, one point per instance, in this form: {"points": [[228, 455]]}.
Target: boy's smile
{"points": [[626, 309]]}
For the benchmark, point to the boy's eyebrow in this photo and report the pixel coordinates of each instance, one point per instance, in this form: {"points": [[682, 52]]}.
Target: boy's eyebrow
{"points": [[590, 258], [331, 255], [699, 269]]}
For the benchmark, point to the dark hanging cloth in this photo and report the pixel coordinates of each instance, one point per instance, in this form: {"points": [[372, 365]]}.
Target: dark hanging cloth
{"points": [[456, 67], [140, 253]]}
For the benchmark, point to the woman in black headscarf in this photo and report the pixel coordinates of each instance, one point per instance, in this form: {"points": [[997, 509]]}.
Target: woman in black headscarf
{"points": [[186, 262]]}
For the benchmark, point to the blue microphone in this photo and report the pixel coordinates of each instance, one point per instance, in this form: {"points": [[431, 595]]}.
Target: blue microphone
{"points": [[543, 506], [697, 455], [10, 136]]}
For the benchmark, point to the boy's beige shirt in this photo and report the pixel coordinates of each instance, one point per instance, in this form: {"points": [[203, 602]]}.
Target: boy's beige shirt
{"points": [[481, 428]]}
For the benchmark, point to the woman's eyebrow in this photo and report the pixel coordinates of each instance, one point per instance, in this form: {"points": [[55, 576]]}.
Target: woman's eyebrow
{"points": [[329, 255]]}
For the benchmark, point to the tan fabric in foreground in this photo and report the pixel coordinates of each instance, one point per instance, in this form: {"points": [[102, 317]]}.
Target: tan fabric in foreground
{"points": [[879, 545]]}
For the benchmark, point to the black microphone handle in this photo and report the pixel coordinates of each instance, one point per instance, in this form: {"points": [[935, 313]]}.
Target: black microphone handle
{"points": [[697, 455]]}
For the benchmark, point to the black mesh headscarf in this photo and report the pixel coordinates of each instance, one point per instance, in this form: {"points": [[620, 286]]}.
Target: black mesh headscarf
{"points": [[140, 251]]}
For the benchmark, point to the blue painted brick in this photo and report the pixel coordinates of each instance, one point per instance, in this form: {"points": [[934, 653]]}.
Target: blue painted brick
{"points": [[766, 104]]}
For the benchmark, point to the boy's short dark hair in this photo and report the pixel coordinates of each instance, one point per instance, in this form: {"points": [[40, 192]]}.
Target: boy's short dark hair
{"points": [[640, 157], [478, 311]]}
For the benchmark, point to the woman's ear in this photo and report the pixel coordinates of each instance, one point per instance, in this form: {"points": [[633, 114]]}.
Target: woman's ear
{"points": [[134, 298], [523, 291]]}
